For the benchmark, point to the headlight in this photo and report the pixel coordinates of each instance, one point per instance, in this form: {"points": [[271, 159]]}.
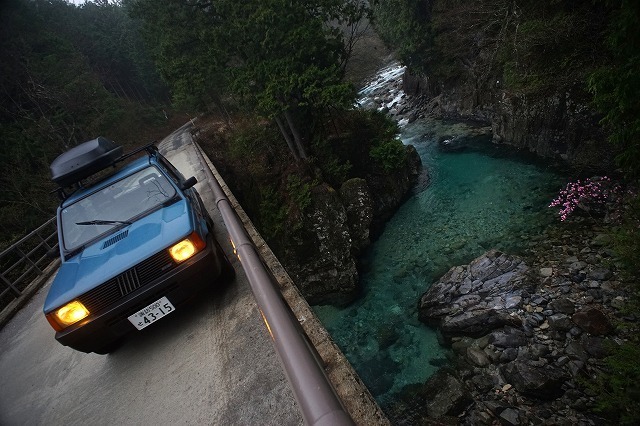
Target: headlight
{"points": [[69, 314], [186, 248]]}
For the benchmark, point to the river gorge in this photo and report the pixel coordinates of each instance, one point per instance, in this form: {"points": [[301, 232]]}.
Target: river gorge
{"points": [[473, 197]]}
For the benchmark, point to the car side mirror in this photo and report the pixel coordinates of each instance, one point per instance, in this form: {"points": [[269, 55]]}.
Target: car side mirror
{"points": [[189, 183]]}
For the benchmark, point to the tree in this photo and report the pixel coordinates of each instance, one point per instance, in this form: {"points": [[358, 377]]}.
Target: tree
{"points": [[64, 79], [616, 85], [285, 59]]}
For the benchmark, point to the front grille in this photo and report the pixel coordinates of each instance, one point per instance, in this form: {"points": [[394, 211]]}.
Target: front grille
{"points": [[127, 282]]}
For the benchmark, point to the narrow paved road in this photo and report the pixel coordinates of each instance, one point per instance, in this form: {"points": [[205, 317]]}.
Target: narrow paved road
{"points": [[210, 364]]}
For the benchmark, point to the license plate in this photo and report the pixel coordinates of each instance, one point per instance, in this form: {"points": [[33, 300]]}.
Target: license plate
{"points": [[151, 313]]}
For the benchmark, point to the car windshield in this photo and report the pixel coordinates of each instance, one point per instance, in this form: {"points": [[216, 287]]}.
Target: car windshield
{"points": [[113, 206]]}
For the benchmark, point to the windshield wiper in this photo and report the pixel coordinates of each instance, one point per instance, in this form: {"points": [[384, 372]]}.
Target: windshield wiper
{"points": [[104, 222]]}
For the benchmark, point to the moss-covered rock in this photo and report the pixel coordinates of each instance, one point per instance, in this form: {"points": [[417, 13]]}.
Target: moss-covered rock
{"points": [[319, 253]]}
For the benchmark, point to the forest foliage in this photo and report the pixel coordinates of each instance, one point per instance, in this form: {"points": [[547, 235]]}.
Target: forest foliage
{"points": [[67, 74], [71, 73], [281, 60]]}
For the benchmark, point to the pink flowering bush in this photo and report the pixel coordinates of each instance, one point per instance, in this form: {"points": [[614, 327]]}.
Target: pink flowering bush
{"points": [[591, 194]]}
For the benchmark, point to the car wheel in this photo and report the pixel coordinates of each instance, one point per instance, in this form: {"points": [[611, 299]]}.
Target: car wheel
{"points": [[227, 272]]}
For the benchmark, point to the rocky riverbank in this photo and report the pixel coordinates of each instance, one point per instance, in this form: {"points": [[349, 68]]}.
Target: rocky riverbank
{"points": [[526, 333]]}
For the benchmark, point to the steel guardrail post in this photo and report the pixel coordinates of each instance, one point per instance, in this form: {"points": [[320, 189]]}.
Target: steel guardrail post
{"points": [[319, 404]]}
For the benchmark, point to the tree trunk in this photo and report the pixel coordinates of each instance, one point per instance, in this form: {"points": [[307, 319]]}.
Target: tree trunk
{"points": [[287, 137], [297, 137], [223, 110]]}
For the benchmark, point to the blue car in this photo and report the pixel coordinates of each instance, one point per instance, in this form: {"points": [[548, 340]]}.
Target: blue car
{"points": [[135, 240]]}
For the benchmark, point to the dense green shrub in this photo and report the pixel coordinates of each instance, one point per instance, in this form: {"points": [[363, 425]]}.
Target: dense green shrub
{"points": [[299, 191], [389, 153], [334, 166], [272, 212], [626, 238], [617, 389], [616, 85]]}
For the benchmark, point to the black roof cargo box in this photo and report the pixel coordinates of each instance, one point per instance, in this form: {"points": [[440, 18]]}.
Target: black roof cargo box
{"points": [[84, 160]]}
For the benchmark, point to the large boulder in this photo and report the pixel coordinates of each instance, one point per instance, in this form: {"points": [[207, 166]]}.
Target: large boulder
{"points": [[445, 395], [543, 382], [338, 226], [592, 321], [320, 261], [472, 300]]}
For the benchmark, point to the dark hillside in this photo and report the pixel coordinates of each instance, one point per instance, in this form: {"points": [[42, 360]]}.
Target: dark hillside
{"points": [[521, 66], [68, 74]]}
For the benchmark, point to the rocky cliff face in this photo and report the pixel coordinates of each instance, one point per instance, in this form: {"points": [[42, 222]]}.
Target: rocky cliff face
{"points": [[338, 226], [319, 257], [560, 126]]}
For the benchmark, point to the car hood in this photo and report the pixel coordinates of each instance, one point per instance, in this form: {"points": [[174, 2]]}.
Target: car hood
{"points": [[116, 253]]}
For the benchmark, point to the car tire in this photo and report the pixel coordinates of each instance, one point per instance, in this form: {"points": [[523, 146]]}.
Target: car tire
{"points": [[227, 271]]}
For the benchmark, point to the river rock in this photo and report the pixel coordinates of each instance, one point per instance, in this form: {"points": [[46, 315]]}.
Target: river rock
{"points": [[497, 283], [445, 395], [563, 305], [600, 274], [563, 334], [592, 321], [510, 416], [546, 272], [508, 337], [477, 357], [560, 322], [540, 382]]}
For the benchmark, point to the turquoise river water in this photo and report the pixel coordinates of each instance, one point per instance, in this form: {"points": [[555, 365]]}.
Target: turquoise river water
{"points": [[477, 199]]}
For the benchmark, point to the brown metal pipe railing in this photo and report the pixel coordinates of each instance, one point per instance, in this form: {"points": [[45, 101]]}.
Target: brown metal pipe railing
{"points": [[318, 402]]}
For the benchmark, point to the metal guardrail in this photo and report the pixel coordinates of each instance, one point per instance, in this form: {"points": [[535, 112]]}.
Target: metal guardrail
{"points": [[26, 259], [318, 402]]}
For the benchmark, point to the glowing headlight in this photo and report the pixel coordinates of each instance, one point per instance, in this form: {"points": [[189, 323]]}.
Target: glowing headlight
{"points": [[186, 248], [69, 314]]}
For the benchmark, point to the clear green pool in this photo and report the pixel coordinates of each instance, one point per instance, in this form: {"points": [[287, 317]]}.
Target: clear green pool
{"points": [[480, 198]]}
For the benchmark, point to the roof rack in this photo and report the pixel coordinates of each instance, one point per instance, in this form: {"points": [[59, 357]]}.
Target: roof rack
{"points": [[87, 159]]}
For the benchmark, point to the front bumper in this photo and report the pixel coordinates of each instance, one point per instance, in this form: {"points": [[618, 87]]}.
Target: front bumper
{"points": [[99, 330]]}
